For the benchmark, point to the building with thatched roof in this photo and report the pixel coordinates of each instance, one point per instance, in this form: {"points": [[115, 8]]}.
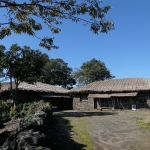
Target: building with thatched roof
{"points": [[116, 93], [32, 92]]}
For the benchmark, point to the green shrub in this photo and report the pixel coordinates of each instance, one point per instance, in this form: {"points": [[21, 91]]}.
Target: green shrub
{"points": [[27, 110], [14, 112], [4, 110], [31, 111], [35, 106]]}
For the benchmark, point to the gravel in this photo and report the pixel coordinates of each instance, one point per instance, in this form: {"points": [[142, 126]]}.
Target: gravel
{"points": [[115, 130]]}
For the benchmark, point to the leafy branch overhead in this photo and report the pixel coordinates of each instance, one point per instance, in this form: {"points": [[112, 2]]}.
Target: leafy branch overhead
{"points": [[29, 16]]}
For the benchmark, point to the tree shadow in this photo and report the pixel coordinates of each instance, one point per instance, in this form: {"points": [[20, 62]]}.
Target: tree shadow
{"points": [[59, 134], [60, 131], [84, 114]]}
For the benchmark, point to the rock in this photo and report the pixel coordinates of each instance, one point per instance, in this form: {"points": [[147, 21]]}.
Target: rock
{"points": [[39, 117], [28, 135], [23, 124], [39, 121], [41, 114]]}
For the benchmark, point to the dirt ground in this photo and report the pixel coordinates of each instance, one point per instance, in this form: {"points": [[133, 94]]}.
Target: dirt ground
{"points": [[115, 130]]}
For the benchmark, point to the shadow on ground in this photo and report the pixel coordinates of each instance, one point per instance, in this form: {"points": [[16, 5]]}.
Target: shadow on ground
{"points": [[4, 136], [59, 133], [84, 114]]}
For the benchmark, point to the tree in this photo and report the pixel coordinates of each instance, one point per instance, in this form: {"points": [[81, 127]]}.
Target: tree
{"points": [[23, 64], [28, 17], [91, 71], [2, 50], [57, 72]]}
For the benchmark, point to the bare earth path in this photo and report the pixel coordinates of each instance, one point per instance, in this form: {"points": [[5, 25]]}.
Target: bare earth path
{"points": [[115, 130]]}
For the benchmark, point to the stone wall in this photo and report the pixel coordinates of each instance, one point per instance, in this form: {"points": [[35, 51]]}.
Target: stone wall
{"points": [[142, 100], [84, 104], [30, 135]]}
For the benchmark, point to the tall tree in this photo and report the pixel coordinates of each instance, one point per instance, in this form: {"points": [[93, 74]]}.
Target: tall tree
{"points": [[23, 64], [28, 16], [91, 71], [2, 51], [57, 72]]}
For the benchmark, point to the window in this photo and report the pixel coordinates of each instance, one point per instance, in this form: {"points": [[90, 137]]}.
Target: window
{"points": [[83, 98]]}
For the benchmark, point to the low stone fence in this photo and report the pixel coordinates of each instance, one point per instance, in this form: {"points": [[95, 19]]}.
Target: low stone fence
{"points": [[29, 135]]}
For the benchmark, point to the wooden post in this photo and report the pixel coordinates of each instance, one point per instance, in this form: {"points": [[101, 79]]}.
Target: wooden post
{"points": [[98, 104], [113, 107]]}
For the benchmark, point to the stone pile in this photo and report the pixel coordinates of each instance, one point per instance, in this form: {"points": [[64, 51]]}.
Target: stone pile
{"points": [[29, 135]]}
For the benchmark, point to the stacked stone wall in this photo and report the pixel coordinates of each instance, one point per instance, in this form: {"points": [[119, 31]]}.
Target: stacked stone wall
{"points": [[84, 104]]}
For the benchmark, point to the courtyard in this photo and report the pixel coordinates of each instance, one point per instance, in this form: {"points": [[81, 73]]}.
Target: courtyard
{"points": [[108, 130]]}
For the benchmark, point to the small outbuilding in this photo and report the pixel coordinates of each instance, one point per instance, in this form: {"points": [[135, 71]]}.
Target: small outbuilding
{"points": [[38, 91], [114, 94]]}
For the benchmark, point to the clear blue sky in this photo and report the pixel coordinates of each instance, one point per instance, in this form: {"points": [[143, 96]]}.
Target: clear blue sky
{"points": [[125, 50]]}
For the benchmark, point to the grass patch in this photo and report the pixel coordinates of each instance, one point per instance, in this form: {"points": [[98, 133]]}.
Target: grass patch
{"points": [[79, 133], [143, 124], [61, 135]]}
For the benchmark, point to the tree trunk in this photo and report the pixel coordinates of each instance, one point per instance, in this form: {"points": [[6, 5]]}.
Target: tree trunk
{"points": [[11, 89], [16, 95], [16, 92]]}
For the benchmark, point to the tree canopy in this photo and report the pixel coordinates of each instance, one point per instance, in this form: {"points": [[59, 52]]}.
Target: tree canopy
{"points": [[57, 72], [29, 16], [91, 71], [22, 64]]}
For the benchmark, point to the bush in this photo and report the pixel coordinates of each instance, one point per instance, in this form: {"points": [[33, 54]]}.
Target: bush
{"points": [[4, 110], [19, 110], [27, 110], [36, 106]]}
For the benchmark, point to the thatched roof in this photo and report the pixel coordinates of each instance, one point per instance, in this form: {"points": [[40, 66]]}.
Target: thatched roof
{"points": [[132, 94], [38, 87], [115, 85]]}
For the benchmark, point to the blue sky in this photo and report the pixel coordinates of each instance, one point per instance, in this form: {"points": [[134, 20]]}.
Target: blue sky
{"points": [[125, 50]]}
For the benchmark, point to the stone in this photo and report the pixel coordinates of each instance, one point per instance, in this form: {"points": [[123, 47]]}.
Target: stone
{"points": [[40, 114], [29, 135], [39, 121]]}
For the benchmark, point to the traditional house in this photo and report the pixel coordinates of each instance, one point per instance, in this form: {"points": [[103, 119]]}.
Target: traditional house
{"points": [[115, 94], [32, 92]]}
